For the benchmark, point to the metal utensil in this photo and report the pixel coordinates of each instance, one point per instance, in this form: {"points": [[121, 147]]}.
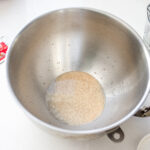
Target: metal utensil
{"points": [[82, 40], [144, 111]]}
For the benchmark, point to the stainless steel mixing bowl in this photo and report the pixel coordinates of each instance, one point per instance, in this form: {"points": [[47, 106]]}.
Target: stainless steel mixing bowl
{"points": [[77, 39]]}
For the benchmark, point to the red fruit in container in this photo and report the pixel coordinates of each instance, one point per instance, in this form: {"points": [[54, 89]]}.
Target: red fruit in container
{"points": [[3, 50]]}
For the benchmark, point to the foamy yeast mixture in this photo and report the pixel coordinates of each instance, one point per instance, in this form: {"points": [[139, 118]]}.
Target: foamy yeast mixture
{"points": [[75, 98]]}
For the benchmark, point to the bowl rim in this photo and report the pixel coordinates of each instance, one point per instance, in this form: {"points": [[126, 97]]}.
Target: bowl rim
{"points": [[144, 139], [69, 131]]}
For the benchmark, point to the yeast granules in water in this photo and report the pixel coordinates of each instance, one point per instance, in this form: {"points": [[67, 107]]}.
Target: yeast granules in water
{"points": [[75, 98]]}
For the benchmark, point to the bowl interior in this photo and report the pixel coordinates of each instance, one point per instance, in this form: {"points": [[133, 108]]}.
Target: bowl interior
{"points": [[78, 40]]}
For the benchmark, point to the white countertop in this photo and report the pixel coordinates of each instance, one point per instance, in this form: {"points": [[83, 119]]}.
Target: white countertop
{"points": [[16, 130]]}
